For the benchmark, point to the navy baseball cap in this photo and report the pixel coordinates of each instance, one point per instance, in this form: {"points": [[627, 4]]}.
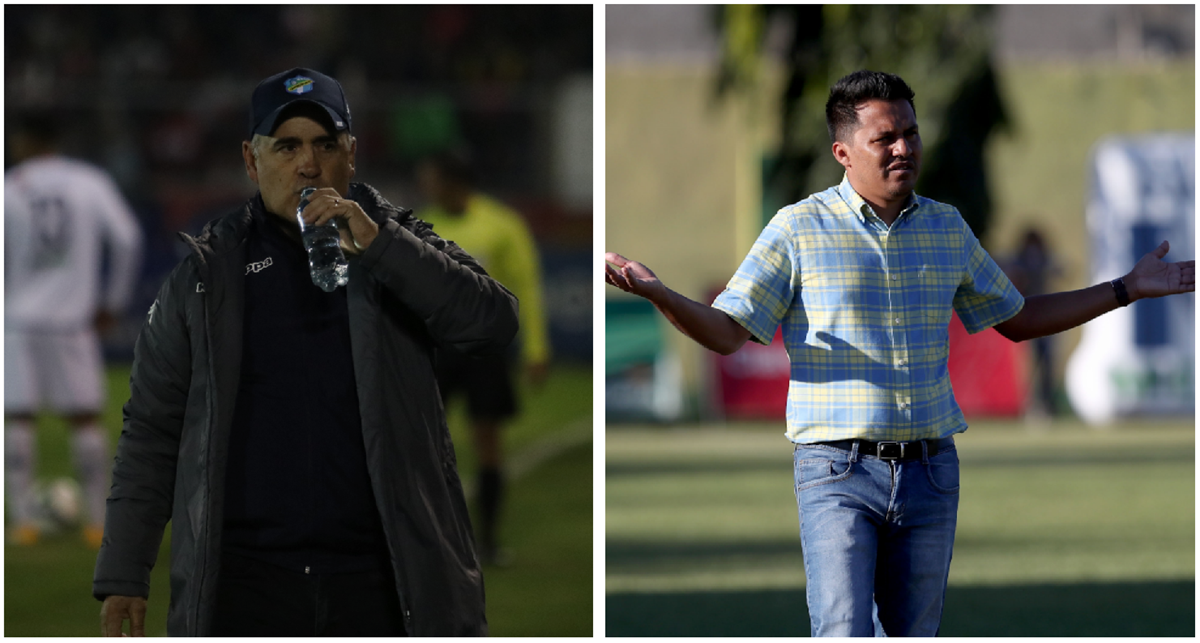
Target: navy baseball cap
{"points": [[276, 93]]}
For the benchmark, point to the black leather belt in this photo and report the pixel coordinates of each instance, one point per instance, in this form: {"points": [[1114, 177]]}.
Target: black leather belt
{"points": [[895, 450]]}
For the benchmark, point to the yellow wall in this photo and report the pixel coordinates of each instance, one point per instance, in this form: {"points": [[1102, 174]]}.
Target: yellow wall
{"points": [[682, 184]]}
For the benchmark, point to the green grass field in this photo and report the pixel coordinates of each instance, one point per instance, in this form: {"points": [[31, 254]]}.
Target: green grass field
{"points": [[1063, 531], [547, 591]]}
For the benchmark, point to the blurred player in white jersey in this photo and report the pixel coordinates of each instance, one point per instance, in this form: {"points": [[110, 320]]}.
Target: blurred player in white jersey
{"points": [[58, 214]]}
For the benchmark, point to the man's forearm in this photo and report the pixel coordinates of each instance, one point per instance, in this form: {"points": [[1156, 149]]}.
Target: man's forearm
{"points": [[709, 327], [435, 279], [1049, 314], [1151, 277]]}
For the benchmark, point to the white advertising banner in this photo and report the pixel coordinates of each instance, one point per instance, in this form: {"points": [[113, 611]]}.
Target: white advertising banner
{"points": [[1138, 360]]}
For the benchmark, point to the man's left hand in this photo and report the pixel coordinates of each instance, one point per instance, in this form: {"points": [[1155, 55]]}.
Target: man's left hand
{"points": [[357, 229], [1153, 277]]}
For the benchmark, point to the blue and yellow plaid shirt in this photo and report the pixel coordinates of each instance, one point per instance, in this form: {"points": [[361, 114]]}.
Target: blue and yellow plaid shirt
{"points": [[866, 311]]}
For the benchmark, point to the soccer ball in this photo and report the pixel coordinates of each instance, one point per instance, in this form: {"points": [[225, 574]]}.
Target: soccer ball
{"points": [[59, 504]]}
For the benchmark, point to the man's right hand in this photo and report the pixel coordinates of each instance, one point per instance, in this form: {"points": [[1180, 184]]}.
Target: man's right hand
{"points": [[708, 326], [118, 609], [632, 277]]}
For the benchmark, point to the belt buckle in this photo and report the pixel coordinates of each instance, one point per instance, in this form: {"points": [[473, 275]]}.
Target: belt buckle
{"points": [[890, 450]]}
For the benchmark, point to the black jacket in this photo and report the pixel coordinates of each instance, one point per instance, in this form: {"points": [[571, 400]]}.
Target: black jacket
{"points": [[409, 292]]}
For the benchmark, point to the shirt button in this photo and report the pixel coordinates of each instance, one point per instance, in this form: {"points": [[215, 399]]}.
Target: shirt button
{"points": [[895, 277], [904, 405], [897, 320], [904, 362]]}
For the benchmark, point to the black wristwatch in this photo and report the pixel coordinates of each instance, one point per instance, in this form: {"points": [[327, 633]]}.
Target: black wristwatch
{"points": [[1118, 286]]}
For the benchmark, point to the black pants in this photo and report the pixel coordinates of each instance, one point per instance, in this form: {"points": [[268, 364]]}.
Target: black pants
{"points": [[259, 599]]}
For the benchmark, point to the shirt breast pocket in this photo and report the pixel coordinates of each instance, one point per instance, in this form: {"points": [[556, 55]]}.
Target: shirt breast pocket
{"points": [[936, 285]]}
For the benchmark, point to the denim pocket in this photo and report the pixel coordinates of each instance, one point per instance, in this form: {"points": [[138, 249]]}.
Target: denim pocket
{"points": [[815, 466], [942, 471]]}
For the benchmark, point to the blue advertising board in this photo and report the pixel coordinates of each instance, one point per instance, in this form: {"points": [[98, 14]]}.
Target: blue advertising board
{"points": [[1138, 360]]}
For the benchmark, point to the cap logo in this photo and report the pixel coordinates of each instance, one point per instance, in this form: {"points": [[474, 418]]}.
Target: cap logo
{"points": [[298, 85]]}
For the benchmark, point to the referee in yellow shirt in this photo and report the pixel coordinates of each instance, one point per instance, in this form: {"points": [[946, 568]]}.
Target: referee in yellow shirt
{"points": [[497, 237]]}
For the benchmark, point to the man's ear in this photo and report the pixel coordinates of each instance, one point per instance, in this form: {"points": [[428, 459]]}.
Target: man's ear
{"points": [[840, 154], [250, 161]]}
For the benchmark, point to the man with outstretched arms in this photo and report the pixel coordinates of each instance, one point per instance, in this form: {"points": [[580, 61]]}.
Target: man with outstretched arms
{"points": [[863, 278]]}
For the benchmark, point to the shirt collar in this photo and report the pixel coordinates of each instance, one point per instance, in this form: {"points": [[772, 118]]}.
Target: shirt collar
{"points": [[862, 209]]}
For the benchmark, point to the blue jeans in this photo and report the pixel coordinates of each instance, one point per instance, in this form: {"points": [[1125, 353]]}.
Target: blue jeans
{"points": [[877, 538]]}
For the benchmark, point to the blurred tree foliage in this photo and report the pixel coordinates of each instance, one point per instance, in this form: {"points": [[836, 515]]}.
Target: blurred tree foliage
{"points": [[941, 51]]}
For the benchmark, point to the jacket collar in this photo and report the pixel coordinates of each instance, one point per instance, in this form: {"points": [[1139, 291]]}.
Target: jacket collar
{"points": [[376, 206]]}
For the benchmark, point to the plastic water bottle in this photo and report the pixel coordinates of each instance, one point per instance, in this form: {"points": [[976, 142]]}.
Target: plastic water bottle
{"points": [[326, 262]]}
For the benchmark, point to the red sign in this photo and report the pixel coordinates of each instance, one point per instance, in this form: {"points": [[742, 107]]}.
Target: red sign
{"points": [[753, 382], [990, 374]]}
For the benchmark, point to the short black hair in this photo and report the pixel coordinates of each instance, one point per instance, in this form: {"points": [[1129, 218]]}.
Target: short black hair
{"points": [[852, 90], [454, 164]]}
